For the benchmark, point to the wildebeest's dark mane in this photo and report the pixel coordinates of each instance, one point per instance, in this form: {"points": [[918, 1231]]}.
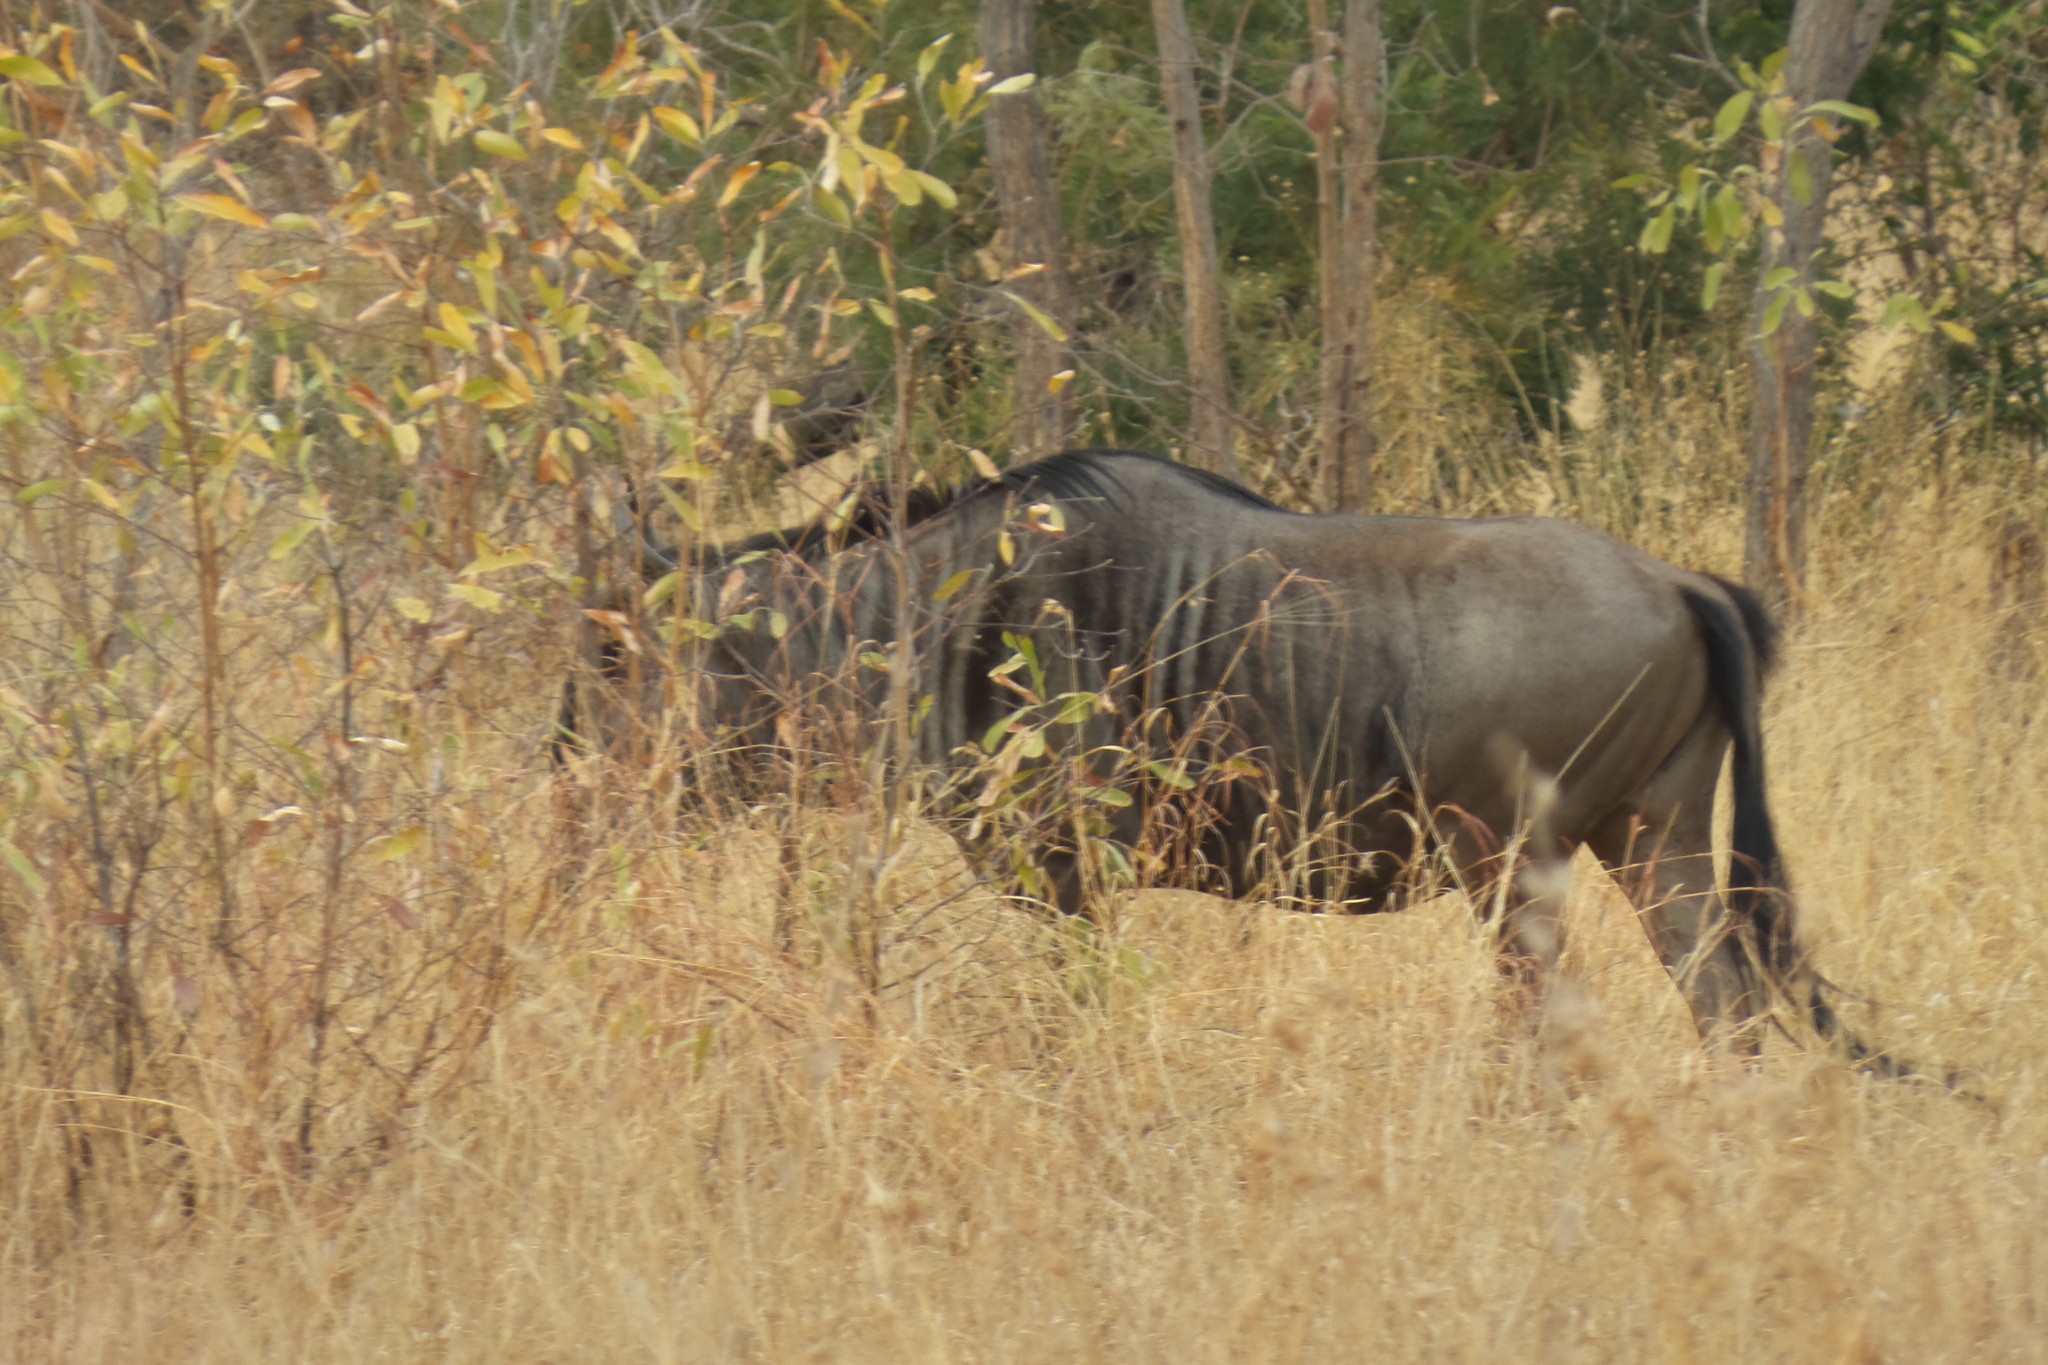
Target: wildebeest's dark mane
{"points": [[1071, 475]]}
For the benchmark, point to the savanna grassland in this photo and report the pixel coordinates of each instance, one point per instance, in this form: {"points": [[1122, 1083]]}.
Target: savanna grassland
{"points": [[340, 1022], [1230, 1133]]}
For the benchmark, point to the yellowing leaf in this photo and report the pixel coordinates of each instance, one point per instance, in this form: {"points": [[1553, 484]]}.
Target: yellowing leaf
{"points": [[738, 182], [399, 845], [500, 144], [458, 327], [483, 599], [1059, 381], [58, 226], [225, 208], [405, 437], [412, 609], [1013, 85], [25, 68], [492, 563], [679, 125], [1956, 332]]}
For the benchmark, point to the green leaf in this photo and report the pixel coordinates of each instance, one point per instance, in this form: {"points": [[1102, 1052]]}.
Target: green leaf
{"points": [[929, 58], [1855, 113], [1835, 289], [25, 68], [1045, 323], [1771, 118], [939, 190], [1728, 207], [1688, 188], [1728, 122], [36, 491], [500, 144], [1775, 314], [952, 586], [1633, 182], [1799, 179], [1656, 236], [833, 207], [1904, 308], [293, 537], [1075, 707], [1780, 277], [1173, 777], [23, 868], [1710, 288]]}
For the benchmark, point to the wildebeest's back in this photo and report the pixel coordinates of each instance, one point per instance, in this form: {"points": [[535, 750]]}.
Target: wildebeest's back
{"points": [[1365, 651], [1466, 645]]}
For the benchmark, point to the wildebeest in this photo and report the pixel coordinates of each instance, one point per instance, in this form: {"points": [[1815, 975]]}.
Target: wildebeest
{"points": [[1486, 691]]}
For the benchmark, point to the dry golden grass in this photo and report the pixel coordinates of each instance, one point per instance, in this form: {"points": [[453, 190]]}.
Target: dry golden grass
{"points": [[1224, 1134]]}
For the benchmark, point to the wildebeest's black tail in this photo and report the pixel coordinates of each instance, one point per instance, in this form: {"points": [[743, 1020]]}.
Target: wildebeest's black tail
{"points": [[1741, 646]]}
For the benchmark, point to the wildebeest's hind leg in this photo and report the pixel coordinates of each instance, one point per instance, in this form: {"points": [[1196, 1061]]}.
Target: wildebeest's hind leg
{"points": [[1520, 891], [1660, 848]]}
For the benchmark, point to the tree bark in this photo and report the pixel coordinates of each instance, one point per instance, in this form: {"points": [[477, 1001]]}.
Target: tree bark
{"points": [[1321, 107], [1212, 441], [1351, 467], [1832, 41], [1029, 202]]}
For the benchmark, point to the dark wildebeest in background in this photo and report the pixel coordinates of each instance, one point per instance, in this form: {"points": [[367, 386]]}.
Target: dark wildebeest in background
{"points": [[1488, 691]]}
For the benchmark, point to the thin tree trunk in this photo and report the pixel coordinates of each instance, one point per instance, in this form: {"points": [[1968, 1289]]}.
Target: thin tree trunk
{"points": [[1353, 447], [1212, 440], [1323, 120], [1030, 206], [1832, 41]]}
